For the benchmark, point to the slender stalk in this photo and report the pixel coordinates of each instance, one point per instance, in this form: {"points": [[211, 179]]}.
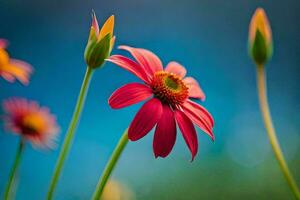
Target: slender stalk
{"points": [[264, 106], [14, 169], [110, 165], [71, 131]]}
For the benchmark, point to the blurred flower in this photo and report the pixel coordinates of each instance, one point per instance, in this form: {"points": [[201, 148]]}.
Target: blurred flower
{"points": [[100, 43], [12, 69], [30, 121], [169, 103], [116, 191], [260, 37]]}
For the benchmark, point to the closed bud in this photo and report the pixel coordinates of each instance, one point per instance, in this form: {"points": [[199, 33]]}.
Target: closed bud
{"points": [[100, 42], [260, 38]]}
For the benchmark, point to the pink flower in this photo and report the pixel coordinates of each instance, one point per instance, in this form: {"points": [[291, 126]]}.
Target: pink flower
{"points": [[30, 121], [12, 69], [168, 93]]}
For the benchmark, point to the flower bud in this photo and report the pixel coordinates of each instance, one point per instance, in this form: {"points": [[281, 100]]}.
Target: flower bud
{"points": [[100, 43], [260, 38]]}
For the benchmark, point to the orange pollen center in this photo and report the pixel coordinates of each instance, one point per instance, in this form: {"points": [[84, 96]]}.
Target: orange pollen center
{"points": [[33, 124], [169, 88]]}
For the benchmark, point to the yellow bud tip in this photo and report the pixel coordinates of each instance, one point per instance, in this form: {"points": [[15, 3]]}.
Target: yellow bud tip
{"points": [[95, 22], [260, 22], [108, 27]]}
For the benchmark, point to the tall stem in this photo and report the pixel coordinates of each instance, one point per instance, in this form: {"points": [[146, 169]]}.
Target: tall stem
{"points": [[110, 165], [14, 169], [71, 131], [264, 106]]}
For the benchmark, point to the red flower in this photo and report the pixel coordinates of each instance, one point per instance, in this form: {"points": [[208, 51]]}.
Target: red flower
{"points": [[169, 101], [32, 122]]}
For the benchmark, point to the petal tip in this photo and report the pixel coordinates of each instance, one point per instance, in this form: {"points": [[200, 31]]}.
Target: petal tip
{"points": [[3, 43], [157, 155], [260, 10], [123, 47], [130, 137], [192, 160], [95, 22], [194, 155], [203, 98], [112, 17]]}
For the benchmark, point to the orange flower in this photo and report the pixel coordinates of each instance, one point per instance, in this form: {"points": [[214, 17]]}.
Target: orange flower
{"points": [[30, 121], [12, 69], [115, 190]]}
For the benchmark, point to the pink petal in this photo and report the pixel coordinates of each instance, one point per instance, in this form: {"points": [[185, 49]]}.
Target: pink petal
{"points": [[201, 109], [129, 94], [145, 119], [200, 116], [176, 68], [129, 65], [146, 58], [26, 70], [8, 77], [23, 65], [3, 43], [194, 89], [188, 131], [165, 133], [95, 23], [152, 59]]}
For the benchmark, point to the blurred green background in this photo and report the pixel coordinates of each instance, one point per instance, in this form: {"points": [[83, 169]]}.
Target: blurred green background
{"points": [[210, 39]]}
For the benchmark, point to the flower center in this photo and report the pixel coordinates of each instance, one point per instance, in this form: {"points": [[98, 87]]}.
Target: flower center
{"points": [[32, 124], [169, 88]]}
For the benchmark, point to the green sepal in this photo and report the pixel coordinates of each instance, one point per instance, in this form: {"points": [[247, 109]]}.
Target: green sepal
{"points": [[260, 50], [97, 51]]}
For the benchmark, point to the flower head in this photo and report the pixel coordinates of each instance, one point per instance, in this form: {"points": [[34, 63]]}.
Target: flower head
{"points": [[32, 122], [100, 42], [260, 37], [168, 93], [12, 69], [115, 190]]}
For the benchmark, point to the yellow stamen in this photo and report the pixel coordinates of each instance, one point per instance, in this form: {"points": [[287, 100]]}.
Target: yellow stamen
{"points": [[169, 88]]}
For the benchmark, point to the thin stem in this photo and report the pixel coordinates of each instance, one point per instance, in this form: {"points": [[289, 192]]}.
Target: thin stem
{"points": [[71, 131], [110, 165], [13, 171], [264, 106]]}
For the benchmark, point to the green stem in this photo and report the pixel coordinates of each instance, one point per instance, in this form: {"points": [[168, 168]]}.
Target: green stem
{"points": [[71, 131], [110, 165], [264, 106], [13, 171]]}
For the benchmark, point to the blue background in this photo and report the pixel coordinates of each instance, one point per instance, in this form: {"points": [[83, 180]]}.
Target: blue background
{"points": [[210, 39]]}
